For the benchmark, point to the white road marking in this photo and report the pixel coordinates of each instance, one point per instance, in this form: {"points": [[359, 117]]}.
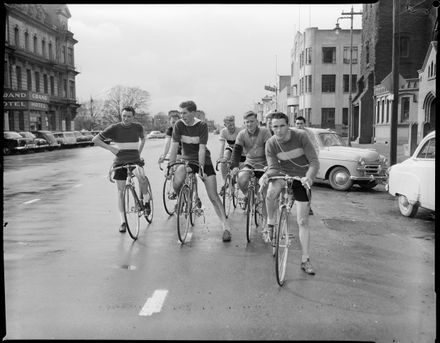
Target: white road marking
{"points": [[78, 185], [31, 201], [154, 304]]}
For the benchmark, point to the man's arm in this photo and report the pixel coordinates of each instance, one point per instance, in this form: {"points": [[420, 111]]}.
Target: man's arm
{"points": [[141, 146], [173, 152], [273, 166], [99, 142], [202, 154], [312, 157]]}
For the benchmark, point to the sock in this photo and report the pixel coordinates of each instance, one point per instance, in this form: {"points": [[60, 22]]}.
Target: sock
{"points": [[304, 258]]}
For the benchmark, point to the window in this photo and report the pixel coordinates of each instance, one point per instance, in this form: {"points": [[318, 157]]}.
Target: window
{"points": [[346, 83], [63, 54], [26, 40], [345, 116], [309, 56], [404, 109], [72, 89], [328, 118], [21, 120], [301, 59], [45, 84], [29, 79], [37, 81], [308, 84], [387, 109], [377, 111], [64, 88], [16, 36], [428, 150], [328, 83], [52, 85], [329, 55], [307, 114], [382, 112], [43, 48], [404, 47], [367, 52], [35, 44], [354, 55], [70, 56], [50, 51], [19, 81]]}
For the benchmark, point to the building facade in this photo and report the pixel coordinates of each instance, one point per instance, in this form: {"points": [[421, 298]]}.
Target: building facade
{"points": [[320, 71], [416, 30], [39, 68]]}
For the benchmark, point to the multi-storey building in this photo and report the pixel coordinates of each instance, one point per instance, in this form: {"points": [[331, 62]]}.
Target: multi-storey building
{"points": [[39, 68], [416, 27], [320, 70]]}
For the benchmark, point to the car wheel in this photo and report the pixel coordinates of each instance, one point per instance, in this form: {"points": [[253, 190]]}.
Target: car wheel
{"points": [[406, 209], [340, 179], [367, 184], [6, 151]]}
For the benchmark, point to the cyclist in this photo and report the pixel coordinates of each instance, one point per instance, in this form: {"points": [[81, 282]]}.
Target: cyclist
{"points": [[173, 117], [290, 151], [193, 133], [251, 140], [268, 118], [129, 140], [227, 138]]}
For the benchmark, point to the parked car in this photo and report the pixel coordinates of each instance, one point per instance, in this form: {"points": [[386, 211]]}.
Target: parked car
{"points": [[66, 139], [88, 136], [13, 143], [30, 144], [413, 180], [49, 137], [81, 140], [156, 134], [39, 144], [342, 165]]}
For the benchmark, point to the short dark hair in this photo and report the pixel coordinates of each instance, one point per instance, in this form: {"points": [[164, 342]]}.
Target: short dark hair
{"points": [[173, 114], [280, 115], [189, 105], [301, 118], [129, 109], [249, 114]]}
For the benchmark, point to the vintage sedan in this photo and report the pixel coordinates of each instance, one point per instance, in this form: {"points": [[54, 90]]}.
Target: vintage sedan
{"points": [[38, 144], [413, 180], [156, 134], [49, 137], [13, 143], [343, 166]]}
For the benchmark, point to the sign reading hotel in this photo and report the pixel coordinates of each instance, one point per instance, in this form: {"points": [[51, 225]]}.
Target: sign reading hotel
{"points": [[25, 100]]}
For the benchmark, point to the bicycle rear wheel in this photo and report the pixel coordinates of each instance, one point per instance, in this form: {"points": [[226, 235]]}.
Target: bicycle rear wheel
{"points": [[249, 213], [149, 216], [132, 211], [183, 213], [282, 246], [228, 195], [169, 204]]}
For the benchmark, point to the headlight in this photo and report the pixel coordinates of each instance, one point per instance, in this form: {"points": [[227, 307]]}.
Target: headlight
{"points": [[383, 160], [361, 161]]}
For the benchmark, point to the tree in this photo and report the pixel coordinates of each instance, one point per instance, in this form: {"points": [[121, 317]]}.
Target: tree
{"points": [[89, 115], [160, 121], [120, 96]]}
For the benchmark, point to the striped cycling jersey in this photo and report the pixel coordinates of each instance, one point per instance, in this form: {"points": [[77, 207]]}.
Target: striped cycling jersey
{"points": [[127, 139], [293, 157], [253, 145], [225, 135], [169, 133], [191, 137]]}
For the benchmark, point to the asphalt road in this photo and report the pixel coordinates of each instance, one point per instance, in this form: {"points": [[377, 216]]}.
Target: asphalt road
{"points": [[69, 273]]}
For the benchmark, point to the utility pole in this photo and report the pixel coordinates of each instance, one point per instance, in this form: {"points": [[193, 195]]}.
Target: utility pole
{"points": [[395, 82]]}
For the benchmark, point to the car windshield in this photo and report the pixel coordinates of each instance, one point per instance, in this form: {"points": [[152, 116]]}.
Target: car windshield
{"points": [[331, 139]]}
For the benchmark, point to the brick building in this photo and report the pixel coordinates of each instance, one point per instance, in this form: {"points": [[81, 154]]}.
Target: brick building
{"points": [[415, 33], [39, 69]]}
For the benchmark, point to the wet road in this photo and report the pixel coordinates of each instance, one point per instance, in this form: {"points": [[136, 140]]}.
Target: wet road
{"points": [[69, 273]]}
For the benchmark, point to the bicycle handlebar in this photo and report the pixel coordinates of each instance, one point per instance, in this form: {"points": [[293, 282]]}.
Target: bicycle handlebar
{"points": [[218, 162], [127, 166]]}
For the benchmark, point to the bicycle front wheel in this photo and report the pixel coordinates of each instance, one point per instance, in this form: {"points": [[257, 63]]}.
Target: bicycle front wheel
{"points": [[228, 195], [249, 213], [183, 213], [168, 196], [282, 246], [132, 211]]}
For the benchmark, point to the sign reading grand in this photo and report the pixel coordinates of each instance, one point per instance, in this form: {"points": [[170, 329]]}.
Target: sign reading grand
{"points": [[22, 100]]}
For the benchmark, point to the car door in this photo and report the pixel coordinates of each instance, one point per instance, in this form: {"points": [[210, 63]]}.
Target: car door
{"points": [[424, 168]]}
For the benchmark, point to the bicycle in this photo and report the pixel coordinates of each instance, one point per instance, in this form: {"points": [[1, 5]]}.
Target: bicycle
{"points": [[133, 206], [169, 197], [281, 237], [229, 197], [188, 204], [254, 204]]}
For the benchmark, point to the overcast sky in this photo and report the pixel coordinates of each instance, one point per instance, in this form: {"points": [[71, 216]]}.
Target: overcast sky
{"points": [[220, 56]]}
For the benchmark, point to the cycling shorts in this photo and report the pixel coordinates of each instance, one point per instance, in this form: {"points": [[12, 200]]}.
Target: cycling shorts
{"points": [[207, 169]]}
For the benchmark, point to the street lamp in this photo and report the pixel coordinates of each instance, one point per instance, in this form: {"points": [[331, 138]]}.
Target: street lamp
{"points": [[349, 15]]}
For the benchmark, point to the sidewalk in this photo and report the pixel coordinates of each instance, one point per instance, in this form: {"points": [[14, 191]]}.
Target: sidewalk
{"points": [[383, 149]]}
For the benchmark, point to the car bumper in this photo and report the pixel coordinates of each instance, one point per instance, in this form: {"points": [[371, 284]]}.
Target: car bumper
{"points": [[379, 178]]}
